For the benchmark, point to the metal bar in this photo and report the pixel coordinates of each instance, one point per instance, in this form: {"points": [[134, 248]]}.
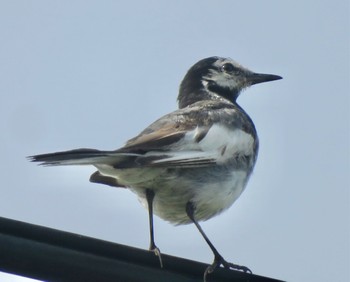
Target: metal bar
{"points": [[47, 254]]}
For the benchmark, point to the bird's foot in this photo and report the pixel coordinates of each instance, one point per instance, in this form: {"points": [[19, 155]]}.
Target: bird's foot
{"points": [[157, 252], [219, 260]]}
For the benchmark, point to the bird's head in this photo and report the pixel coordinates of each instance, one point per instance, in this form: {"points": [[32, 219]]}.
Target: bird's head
{"points": [[217, 78]]}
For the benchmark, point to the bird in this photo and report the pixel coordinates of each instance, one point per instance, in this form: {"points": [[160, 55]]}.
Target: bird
{"points": [[191, 164]]}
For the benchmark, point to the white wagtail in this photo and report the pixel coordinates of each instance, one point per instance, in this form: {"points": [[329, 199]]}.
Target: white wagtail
{"points": [[191, 164]]}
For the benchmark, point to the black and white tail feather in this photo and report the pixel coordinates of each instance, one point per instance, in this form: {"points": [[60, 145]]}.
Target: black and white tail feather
{"points": [[80, 157], [121, 160]]}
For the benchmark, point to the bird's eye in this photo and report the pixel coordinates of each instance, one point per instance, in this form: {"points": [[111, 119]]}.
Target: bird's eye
{"points": [[228, 67]]}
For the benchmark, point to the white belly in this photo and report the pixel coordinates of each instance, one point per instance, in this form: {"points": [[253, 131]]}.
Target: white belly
{"points": [[209, 198]]}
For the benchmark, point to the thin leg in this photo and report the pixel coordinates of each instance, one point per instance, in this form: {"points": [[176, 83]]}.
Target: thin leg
{"points": [[218, 259], [152, 245]]}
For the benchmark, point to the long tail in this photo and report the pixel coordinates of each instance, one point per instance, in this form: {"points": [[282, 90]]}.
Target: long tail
{"points": [[78, 157]]}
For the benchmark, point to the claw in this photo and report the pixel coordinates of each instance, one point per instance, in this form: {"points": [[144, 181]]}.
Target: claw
{"points": [[219, 260], [157, 252], [229, 265]]}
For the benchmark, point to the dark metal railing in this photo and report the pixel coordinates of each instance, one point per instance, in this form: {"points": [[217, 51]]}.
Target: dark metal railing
{"points": [[47, 254]]}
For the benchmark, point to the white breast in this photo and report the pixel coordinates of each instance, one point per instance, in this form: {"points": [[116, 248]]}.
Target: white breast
{"points": [[227, 143], [212, 199], [219, 145]]}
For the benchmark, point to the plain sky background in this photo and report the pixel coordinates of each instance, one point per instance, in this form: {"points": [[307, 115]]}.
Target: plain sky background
{"points": [[94, 73]]}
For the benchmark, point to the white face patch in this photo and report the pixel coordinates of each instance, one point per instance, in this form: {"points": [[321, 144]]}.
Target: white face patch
{"points": [[233, 80], [222, 79]]}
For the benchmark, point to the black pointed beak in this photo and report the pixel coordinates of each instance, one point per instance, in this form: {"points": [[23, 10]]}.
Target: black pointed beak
{"points": [[256, 78]]}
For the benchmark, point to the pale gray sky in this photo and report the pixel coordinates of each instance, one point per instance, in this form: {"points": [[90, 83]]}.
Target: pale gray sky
{"points": [[94, 73]]}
